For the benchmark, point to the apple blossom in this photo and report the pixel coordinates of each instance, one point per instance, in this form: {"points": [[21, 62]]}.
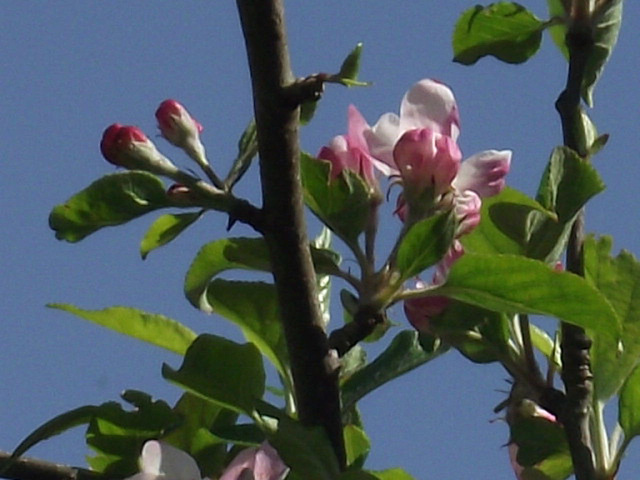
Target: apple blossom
{"points": [[427, 104], [159, 460], [467, 211], [258, 463], [431, 105], [351, 151], [127, 146], [428, 162], [181, 129]]}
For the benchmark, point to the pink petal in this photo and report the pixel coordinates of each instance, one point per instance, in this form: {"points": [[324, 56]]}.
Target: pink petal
{"points": [[356, 126], [430, 104], [484, 172]]}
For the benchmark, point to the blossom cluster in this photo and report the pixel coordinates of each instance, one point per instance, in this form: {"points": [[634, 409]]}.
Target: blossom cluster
{"points": [[418, 148], [159, 461]]}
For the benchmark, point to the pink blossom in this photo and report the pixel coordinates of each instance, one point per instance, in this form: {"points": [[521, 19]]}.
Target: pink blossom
{"points": [[427, 161], [175, 123], [421, 310], [351, 151], [427, 104], [181, 129], [431, 104], [467, 211], [127, 146], [258, 463]]}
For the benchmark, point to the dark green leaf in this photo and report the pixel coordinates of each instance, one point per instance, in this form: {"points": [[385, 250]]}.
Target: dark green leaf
{"points": [[425, 243], [194, 436], [342, 204], [239, 253], [148, 327], [112, 200], [247, 434], [404, 353], [247, 150], [306, 450], [514, 284], [629, 406], [307, 111], [165, 229], [606, 28], [222, 371], [253, 306], [118, 435], [618, 279], [506, 30], [537, 440]]}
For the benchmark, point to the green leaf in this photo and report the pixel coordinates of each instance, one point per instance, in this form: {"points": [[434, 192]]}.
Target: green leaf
{"points": [[165, 229], [357, 445], [148, 327], [568, 183], [404, 353], [513, 284], [222, 371], [112, 200], [342, 204], [307, 111], [323, 243], [57, 425], [605, 32], [618, 279], [246, 434], [194, 436], [117, 435], [391, 474], [247, 150], [253, 306], [538, 440], [558, 30], [500, 227], [629, 406], [306, 450], [351, 64], [506, 30], [239, 253], [425, 243]]}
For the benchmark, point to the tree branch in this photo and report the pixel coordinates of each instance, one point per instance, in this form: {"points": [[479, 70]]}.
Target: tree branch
{"points": [[25, 468], [277, 120], [576, 362]]}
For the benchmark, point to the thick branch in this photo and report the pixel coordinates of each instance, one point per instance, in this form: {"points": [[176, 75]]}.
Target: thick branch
{"points": [[34, 469], [277, 120], [576, 363]]}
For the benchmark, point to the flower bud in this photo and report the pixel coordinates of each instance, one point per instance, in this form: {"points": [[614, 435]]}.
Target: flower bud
{"points": [[428, 162], [181, 129], [467, 211], [127, 146]]}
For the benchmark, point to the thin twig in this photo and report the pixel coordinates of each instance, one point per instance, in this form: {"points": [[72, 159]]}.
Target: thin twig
{"points": [[25, 468]]}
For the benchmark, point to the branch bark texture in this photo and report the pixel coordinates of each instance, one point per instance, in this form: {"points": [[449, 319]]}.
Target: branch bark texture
{"points": [[277, 120], [576, 362], [25, 468]]}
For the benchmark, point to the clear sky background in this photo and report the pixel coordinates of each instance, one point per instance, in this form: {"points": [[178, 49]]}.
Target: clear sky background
{"points": [[69, 69]]}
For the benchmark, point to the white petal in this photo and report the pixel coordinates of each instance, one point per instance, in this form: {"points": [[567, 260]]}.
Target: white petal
{"points": [[159, 458], [484, 172], [383, 136], [430, 104]]}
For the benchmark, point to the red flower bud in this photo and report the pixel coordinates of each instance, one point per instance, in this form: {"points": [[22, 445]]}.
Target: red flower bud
{"points": [[127, 146], [176, 125]]}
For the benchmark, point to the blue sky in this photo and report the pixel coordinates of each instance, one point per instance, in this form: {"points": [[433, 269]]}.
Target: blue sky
{"points": [[71, 70]]}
